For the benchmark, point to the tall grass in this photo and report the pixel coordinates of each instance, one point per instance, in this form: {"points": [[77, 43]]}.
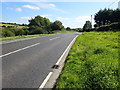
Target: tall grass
{"points": [[92, 62]]}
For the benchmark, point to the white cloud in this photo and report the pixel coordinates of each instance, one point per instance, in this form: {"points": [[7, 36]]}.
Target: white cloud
{"points": [[46, 15], [49, 6], [52, 5], [61, 18], [18, 9], [31, 7], [26, 17]]}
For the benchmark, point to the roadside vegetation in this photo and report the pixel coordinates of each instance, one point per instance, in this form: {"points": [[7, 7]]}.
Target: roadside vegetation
{"points": [[106, 20], [37, 27], [21, 37], [92, 62], [36, 35]]}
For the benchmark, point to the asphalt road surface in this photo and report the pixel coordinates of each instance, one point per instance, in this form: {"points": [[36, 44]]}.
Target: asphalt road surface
{"points": [[26, 63]]}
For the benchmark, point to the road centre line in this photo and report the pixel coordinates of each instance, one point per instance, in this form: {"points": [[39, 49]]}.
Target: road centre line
{"points": [[45, 81], [19, 50], [54, 38]]}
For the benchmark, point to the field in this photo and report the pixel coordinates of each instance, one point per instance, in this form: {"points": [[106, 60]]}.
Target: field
{"points": [[92, 62], [12, 25]]}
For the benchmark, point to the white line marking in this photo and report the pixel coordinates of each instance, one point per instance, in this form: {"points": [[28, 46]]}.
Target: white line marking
{"points": [[46, 79], [54, 38], [65, 51], [20, 49]]}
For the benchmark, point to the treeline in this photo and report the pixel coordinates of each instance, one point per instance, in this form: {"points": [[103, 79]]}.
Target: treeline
{"points": [[42, 25], [106, 20], [107, 16], [37, 25]]}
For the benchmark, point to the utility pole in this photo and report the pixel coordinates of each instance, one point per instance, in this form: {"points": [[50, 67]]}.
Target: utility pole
{"points": [[119, 4], [91, 19]]}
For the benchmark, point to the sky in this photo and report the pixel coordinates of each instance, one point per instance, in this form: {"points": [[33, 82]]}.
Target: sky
{"points": [[71, 13]]}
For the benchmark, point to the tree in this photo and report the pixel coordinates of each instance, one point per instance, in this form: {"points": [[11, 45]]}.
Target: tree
{"points": [[107, 16], [57, 25], [39, 25], [68, 28], [87, 26]]}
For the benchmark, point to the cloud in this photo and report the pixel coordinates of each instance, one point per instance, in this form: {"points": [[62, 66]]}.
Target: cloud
{"points": [[31, 7], [61, 18], [49, 6], [46, 15], [26, 17], [18, 9], [52, 5]]}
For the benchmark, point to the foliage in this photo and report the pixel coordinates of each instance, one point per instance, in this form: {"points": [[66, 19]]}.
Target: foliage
{"points": [[92, 62], [68, 28], [39, 25], [107, 16], [57, 25], [7, 33], [87, 26], [79, 30]]}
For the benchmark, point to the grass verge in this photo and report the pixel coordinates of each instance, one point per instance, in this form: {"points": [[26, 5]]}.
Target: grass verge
{"points": [[37, 35], [92, 62], [21, 37]]}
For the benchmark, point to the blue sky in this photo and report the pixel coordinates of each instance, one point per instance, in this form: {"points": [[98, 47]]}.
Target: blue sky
{"points": [[71, 14]]}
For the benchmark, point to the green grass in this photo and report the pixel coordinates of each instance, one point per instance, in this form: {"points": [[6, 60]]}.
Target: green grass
{"points": [[92, 62], [21, 37]]}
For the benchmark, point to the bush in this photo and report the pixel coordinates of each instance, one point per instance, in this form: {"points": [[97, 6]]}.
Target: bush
{"points": [[7, 33], [38, 30]]}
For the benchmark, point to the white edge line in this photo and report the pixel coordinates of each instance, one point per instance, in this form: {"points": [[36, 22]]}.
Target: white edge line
{"points": [[19, 50], [45, 81], [65, 51]]}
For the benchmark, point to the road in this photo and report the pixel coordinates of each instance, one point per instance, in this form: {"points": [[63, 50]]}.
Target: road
{"points": [[26, 63]]}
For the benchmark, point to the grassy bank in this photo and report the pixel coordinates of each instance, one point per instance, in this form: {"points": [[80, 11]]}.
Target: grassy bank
{"points": [[29, 36], [21, 37], [92, 62]]}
